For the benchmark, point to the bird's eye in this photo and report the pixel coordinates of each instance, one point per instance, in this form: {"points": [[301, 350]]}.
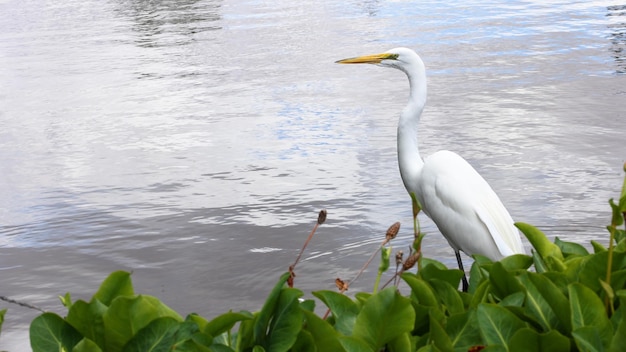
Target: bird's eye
{"points": [[392, 56]]}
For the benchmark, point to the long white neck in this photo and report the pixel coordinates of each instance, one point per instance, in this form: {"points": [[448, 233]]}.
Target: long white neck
{"points": [[409, 159]]}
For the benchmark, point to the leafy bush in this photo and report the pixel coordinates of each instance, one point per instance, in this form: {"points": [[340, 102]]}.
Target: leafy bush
{"points": [[559, 298]]}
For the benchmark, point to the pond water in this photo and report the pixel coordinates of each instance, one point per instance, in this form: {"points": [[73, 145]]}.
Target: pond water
{"points": [[194, 142]]}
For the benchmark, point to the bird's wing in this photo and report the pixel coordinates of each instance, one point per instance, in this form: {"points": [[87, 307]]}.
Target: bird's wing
{"points": [[465, 208]]}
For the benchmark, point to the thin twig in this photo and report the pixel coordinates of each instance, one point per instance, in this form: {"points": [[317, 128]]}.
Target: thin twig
{"points": [[23, 304]]}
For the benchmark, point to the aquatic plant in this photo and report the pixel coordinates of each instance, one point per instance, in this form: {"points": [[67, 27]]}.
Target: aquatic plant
{"points": [[560, 298]]}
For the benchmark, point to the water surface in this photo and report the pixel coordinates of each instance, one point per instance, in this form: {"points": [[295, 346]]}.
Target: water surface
{"points": [[194, 142]]}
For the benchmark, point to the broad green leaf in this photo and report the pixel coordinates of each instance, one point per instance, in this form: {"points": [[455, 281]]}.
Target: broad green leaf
{"points": [[540, 242], [225, 322], [87, 318], [597, 247], [324, 335], [451, 276], [245, 334], [539, 263], [617, 217], [449, 296], [86, 345], [127, 315], [429, 261], [587, 312], [305, 342], [401, 343], [503, 282], [497, 325], [438, 336], [517, 262], [49, 332], [589, 338], [190, 331], [385, 316], [571, 248], [537, 307], [478, 275], [343, 308], [547, 302], [619, 338], [515, 300], [157, 336], [481, 295], [463, 330], [286, 321], [421, 290], [118, 283], [526, 339], [594, 267], [263, 318], [354, 344]]}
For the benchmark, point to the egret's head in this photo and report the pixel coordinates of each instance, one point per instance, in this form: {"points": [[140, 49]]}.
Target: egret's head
{"points": [[400, 58]]}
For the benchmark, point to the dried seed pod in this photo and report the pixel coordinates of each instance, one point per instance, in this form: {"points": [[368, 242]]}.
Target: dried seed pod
{"points": [[341, 285], [399, 256], [392, 232], [322, 216], [411, 260]]}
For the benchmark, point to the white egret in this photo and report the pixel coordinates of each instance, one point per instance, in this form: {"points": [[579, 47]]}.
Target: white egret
{"points": [[460, 202]]}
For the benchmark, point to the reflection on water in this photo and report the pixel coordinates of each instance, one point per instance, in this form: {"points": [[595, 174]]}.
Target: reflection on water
{"points": [[617, 28], [194, 142]]}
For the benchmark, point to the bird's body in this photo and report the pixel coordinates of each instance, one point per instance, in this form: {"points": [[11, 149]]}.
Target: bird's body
{"points": [[460, 202]]}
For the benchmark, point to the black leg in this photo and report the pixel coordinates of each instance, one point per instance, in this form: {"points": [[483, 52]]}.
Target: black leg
{"points": [[460, 262]]}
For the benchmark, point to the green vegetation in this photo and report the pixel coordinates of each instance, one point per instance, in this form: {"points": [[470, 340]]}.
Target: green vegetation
{"points": [[559, 298]]}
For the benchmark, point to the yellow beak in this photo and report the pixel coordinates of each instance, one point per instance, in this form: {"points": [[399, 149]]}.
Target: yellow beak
{"points": [[368, 59]]}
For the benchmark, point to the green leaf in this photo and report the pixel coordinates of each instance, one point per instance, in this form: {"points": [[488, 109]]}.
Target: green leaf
{"points": [[588, 312], [570, 248], [478, 275], [451, 276], [463, 330], [421, 290], [619, 339], [127, 315], [325, 337], [429, 261], [497, 324], [438, 336], [343, 308], [547, 303], [385, 316], [401, 343], [225, 322], [86, 345], [87, 318], [305, 342], [118, 283], [385, 253], [49, 332], [157, 336], [262, 320], [517, 262], [2, 313], [589, 338], [540, 242], [449, 296], [286, 321], [597, 247], [354, 344], [503, 283], [526, 339]]}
